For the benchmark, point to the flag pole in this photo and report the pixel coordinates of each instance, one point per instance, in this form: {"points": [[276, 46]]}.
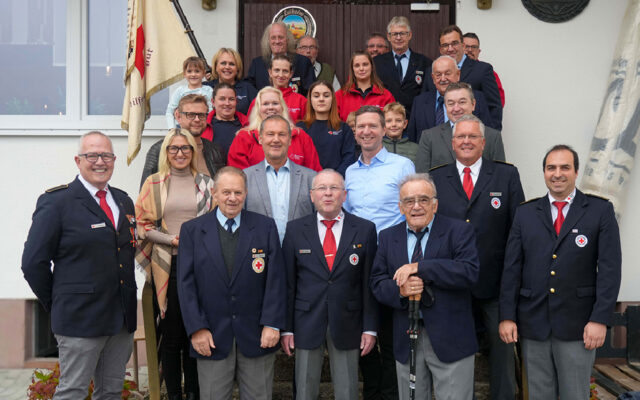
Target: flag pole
{"points": [[189, 32]]}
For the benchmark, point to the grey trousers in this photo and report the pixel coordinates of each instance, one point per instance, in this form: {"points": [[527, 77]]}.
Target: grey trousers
{"points": [[102, 358], [254, 375], [344, 371], [451, 381], [557, 368]]}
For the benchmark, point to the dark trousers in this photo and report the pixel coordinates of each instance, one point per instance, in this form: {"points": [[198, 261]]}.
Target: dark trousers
{"points": [[379, 366], [174, 347]]}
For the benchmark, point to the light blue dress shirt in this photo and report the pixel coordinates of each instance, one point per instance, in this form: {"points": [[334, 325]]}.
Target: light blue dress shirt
{"points": [[464, 57], [404, 61], [373, 189], [412, 239], [223, 220], [279, 184]]}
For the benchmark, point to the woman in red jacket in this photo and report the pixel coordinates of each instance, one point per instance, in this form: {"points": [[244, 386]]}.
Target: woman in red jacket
{"points": [[363, 88], [246, 149]]}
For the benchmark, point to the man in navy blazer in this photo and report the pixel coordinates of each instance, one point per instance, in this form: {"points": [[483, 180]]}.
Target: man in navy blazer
{"points": [[560, 281], [232, 290], [494, 193], [478, 74], [86, 229], [415, 66], [439, 253], [329, 302], [444, 72]]}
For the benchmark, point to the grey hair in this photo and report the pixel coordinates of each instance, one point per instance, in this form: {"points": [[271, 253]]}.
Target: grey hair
{"points": [[453, 60], [325, 172], [92, 133], [230, 170], [399, 21], [470, 118], [422, 177], [264, 42], [315, 40], [275, 117]]}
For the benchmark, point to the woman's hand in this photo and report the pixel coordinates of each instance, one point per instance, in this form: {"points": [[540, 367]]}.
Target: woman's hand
{"points": [[176, 241]]}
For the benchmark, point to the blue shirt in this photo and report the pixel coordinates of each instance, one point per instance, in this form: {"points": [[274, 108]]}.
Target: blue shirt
{"points": [[373, 190], [223, 220], [412, 239], [279, 184], [404, 61], [464, 57]]}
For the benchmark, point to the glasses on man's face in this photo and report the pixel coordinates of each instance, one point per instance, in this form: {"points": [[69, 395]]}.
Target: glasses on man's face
{"points": [[93, 157], [307, 48], [422, 201], [376, 46], [471, 47], [453, 44], [398, 34], [323, 189], [173, 150], [191, 115]]}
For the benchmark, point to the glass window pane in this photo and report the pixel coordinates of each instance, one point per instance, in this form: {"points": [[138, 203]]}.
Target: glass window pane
{"points": [[34, 57], [107, 47]]}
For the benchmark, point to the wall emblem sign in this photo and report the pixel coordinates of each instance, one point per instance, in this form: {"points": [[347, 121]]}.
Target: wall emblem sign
{"points": [[299, 21], [555, 10]]}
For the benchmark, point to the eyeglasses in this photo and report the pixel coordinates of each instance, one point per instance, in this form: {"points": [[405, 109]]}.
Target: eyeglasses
{"points": [[379, 46], [307, 48], [191, 115], [398, 34], [93, 157], [452, 44], [470, 137], [173, 150], [471, 47], [331, 189], [423, 201]]}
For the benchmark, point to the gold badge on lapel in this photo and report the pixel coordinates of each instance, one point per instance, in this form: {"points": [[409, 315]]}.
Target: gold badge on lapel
{"points": [[258, 265]]}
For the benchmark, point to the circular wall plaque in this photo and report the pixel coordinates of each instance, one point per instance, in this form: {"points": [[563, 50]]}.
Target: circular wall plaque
{"points": [[299, 21], [555, 10]]}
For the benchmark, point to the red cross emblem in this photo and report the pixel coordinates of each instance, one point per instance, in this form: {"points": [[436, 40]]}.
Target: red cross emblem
{"points": [[353, 259], [258, 265], [581, 240], [495, 203]]}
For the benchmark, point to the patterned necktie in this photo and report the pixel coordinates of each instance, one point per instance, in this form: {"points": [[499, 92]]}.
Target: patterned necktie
{"points": [[229, 224], [417, 249], [329, 244], [440, 110], [399, 66], [557, 224], [467, 182], [102, 195]]}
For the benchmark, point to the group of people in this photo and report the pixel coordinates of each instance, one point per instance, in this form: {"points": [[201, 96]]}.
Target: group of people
{"points": [[310, 224]]}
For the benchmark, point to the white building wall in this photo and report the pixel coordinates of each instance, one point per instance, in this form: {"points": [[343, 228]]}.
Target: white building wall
{"points": [[554, 76]]}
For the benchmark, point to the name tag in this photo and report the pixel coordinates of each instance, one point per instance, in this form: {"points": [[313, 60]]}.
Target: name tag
{"points": [[100, 225], [304, 251], [492, 194], [259, 255]]}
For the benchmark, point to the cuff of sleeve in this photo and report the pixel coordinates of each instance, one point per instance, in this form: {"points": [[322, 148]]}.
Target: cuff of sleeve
{"points": [[372, 333]]}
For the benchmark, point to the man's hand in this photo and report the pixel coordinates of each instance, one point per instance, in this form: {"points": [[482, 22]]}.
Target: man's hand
{"points": [[403, 273], [411, 287], [288, 344], [366, 343], [508, 331], [269, 337], [594, 335], [202, 342]]}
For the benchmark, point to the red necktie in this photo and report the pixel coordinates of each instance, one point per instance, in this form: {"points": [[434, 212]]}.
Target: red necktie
{"points": [[557, 224], [102, 195], [329, 244], [467, 182]]}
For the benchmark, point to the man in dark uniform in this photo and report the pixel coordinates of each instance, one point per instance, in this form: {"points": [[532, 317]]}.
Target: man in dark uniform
{"points": [[560, 281], [485, 194], [402, 70], [86, 229]]}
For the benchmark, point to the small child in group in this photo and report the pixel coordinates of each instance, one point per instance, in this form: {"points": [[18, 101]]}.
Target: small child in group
{"points": [[193, 70], [351, 121], [395, 122]]}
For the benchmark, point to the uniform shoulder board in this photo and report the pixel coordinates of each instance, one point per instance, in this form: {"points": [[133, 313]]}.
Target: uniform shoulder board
{"points": [[502, 162], [530, 200], [56, 188], [597, 196], [437, 166]]}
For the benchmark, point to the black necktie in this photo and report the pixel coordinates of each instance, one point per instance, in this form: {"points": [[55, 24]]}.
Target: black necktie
{"points": [[417, 249], [440, 111], [399, 66], [229, 224]]}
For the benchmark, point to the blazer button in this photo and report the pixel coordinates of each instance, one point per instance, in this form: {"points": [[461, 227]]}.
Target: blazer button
{"points": [[121, 281], [120, 265], [552, 290], [554, 256], [118, 248], [553, 273], [468, 220]]}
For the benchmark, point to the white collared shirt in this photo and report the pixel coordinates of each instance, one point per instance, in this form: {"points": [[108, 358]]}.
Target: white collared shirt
{"points": [[565, 209], [110, 200], [475, 170], [337, 227]]}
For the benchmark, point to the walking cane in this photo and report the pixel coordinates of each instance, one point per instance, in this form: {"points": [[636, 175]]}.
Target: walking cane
{"points": [[414, 330]]}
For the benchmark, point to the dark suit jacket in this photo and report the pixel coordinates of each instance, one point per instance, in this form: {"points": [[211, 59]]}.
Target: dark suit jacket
{"points": [[435, 147], [582, 265], [340, 298], [419, 69], [450, 267], [425, 115], [238, 307], [303, 75], [92, 289], [490, 210]]}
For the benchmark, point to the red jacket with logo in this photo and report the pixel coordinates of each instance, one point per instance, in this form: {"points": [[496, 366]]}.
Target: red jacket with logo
{"points": [[353, 100], [296, 103]]}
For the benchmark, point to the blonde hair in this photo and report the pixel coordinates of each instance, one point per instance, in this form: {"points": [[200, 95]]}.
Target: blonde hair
{"points": [[236, 56], [254, 117], [164, 166], [395, 107]]}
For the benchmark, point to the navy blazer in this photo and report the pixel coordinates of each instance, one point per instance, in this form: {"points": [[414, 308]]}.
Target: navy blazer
{"points": [[92, 289], [425, 116], [490, 211], [238, 307], [581, 265], [303, 74], [418, 69], [450, 267], [340, 298]]}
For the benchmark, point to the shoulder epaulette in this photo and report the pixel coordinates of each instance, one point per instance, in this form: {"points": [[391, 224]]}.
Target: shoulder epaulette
{"points": [[597, 196], [437, 166], [502, 162], [56, 188], [530, 200]]}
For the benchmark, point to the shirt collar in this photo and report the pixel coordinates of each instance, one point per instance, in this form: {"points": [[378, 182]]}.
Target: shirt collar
{"points": [[222, 219], [339, 218], [268, 167], [381, 156], [568, 199], [464, 57], [429, 225], [475, 167], [407, 53], [90, 188]]}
